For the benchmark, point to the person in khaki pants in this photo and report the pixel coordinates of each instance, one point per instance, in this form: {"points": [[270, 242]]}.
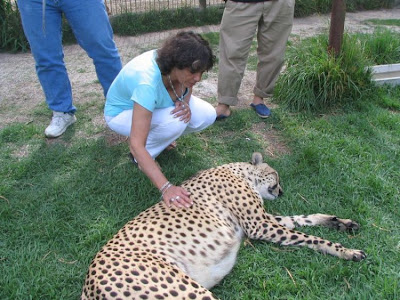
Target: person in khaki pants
{"points": [[272, 20]]}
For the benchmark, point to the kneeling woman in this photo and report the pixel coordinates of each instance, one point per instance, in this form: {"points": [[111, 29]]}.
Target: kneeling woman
{"points": [[151, 101]]}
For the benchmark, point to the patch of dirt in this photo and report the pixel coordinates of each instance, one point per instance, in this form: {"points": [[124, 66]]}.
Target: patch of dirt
{"points": [[51, 141], [23, 151], [275, 146], [112, 138], [21, 94]]}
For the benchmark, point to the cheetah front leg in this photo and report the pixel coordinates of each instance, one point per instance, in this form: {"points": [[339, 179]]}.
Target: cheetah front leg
{"points": [[271, 231], [317, 220]]}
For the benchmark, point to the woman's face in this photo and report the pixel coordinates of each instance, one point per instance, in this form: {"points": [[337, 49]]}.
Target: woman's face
{"points": [[187, 78]]}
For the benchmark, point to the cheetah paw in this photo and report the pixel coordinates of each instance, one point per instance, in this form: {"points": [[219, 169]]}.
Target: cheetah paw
{"points": [[343, 224], [358, 255]]}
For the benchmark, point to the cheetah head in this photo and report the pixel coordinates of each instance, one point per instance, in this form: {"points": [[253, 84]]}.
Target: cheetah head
{"points": [[265, 178]]}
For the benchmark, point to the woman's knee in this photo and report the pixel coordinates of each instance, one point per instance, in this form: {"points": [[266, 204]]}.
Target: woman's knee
{"points": [[174, 128], [204, 117]]}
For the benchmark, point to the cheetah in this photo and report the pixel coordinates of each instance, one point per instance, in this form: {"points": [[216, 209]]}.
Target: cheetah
{"points": [[171, 253]]}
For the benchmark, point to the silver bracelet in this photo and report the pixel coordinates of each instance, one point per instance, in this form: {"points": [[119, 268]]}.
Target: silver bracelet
{"points": [[164, 186], [165, 189]]}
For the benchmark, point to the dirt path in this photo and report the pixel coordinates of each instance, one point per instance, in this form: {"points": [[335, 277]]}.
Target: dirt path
{"points": [[20, 91]]}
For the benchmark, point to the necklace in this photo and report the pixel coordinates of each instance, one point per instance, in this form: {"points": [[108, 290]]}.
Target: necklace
{"points": [[180, 99]]}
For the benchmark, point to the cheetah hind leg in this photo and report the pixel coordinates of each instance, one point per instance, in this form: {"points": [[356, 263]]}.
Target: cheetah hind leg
{"points": [[150, 278], [317, 220]]}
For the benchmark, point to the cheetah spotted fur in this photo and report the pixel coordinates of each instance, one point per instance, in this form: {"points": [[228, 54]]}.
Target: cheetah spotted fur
{"points": [[170, 253]]}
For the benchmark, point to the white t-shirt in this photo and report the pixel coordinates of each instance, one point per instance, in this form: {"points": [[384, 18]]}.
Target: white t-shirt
{"points": [[139, 81]]}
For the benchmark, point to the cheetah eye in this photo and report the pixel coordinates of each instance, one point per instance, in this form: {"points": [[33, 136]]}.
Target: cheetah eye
{"points": [[270, 190]]}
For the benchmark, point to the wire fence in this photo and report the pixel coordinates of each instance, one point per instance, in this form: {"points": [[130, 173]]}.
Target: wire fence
{"points": [[116, 7]]}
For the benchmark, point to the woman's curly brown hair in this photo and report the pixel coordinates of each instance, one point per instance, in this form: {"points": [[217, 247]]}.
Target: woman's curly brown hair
{"points": [[185, 50]]}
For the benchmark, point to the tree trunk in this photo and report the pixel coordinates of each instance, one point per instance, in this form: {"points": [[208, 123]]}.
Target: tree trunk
{"points": [[203, 4], [337, 26]]}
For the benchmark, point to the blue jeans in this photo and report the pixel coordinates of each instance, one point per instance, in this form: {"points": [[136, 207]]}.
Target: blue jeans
{"points": [[90, 24]]}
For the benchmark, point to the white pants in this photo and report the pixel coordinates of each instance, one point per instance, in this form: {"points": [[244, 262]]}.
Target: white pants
{"points": [[164, 128]]}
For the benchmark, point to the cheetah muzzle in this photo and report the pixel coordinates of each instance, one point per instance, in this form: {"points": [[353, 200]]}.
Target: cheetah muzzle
{"points": [[167, 253]]}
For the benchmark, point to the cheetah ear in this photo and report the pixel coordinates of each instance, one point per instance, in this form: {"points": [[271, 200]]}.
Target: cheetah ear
{"points": [[276, 176], [256, 158]]}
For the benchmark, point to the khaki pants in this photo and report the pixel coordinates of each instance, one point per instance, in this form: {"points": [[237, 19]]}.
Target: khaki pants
{"points": [[272, 20]]}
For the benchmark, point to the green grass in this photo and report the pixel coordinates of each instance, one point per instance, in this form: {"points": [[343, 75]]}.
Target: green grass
{"points": [[387, 22], [61, 200]]}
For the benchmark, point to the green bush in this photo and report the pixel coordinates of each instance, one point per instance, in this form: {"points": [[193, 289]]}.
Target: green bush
{"points": [[152, 21], [315, 80], [382, 47], [369, 4], [308, 7], [12, 36]]}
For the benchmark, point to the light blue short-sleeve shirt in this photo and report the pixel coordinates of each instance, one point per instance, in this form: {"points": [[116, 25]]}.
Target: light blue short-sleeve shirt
{"points": [[139, 81]]}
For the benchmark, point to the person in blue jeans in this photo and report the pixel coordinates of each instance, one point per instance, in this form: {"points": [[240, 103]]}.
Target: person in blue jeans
{"points": [[42, 23]]}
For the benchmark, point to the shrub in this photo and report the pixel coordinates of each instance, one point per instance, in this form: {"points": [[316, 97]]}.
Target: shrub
{"points": [[315, 80], [308, 7], [382, 47], [369, 4], [12, 36], [152, 21]]}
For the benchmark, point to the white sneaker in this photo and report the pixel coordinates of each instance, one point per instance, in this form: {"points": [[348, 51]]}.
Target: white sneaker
{"points": [[59, 123]]}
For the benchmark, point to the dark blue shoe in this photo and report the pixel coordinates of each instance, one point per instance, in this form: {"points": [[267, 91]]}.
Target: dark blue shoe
{"points": [[261, 109]]}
